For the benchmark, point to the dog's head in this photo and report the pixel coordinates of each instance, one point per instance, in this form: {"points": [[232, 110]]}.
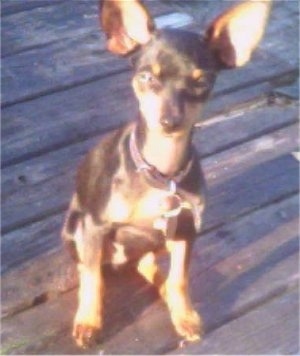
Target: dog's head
{"points": [[175, 70]]}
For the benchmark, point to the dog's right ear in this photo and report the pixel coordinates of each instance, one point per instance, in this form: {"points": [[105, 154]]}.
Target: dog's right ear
{"points": [[126, 23]]}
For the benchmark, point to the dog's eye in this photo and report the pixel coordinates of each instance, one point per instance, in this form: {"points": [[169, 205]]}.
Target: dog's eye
{"points": [[148, 81], [196, 89], [145, 77]]}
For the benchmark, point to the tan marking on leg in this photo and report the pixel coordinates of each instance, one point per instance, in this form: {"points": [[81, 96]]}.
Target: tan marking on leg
{"points": [[150, 270], [185, 319], [89, 294]]}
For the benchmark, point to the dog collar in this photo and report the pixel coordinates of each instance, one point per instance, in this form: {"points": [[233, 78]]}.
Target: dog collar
{"points": [[153, 175]]}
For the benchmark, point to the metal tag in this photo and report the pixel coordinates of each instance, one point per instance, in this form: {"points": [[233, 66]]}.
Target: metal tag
{"points": [[171, 206]]}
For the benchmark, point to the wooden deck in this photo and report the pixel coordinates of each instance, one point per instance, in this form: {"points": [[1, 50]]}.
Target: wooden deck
{"points": [[60, 92]]}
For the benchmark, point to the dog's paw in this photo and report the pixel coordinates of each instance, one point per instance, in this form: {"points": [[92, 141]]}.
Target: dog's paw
{"points": [[188, 325], [85, 335]]}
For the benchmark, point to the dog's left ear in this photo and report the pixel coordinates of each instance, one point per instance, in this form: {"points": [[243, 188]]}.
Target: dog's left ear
{"points": [[235, 34], [126, 23]]}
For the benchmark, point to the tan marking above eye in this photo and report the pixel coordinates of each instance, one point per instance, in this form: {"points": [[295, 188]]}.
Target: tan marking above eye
{"points": [[156, 69], [196, 74]]}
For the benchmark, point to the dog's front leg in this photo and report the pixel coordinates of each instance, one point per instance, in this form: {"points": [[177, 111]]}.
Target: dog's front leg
{"points": [[88, 319], [184, 317]]}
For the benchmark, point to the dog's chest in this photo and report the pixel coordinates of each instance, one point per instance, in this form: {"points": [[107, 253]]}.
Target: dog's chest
{"points": [[133, 201]]}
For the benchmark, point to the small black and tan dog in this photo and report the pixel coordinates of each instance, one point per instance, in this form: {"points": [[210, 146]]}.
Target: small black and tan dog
{"points": [[141, 190]]}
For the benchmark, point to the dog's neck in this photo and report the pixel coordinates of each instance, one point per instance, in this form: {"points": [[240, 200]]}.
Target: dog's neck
{"points": [[167, 153]]}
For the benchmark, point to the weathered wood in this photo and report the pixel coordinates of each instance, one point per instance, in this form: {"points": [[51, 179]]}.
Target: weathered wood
{"points": [[47, 166], [56, 68], [36, 201], [43, 278], [214, 135], [238, 255], [289, 91], [272, 328], [51, 122], [250, 190], [38, 238], [244, 270], [64, 118], [242, 124], [46, 21], [255, 262], [9, 7], [48, 68], [40, 26], [246, 123], [49, 65], [229, 181]]}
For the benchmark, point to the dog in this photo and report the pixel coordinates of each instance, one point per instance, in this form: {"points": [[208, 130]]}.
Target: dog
{"points": [[141, 191]]}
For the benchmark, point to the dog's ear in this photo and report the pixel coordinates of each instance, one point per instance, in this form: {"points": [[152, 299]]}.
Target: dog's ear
{"points": [[235, 34], [126, 24]]}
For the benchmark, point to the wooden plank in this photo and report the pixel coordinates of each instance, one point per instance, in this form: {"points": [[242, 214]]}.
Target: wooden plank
{"points": [[256, 262], [238, 257], [40, 23], [271, 329], [43, 278], [41, 125], [270, 91], [216, 134], [57, 120], [28, 340], [242, 124], [57, 66], [235, 197], [289, 91], [32, 202], [38, 238], [48, 166], [50, 331], [36, 127], [48, 64], [9, 7]]}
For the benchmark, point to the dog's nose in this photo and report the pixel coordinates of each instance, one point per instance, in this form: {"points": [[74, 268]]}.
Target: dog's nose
{"points": [[170, 122]]}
